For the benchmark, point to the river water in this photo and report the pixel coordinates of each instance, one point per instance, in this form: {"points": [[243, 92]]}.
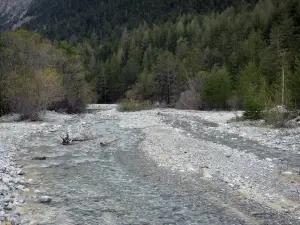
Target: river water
{"points": [[118, 184]]}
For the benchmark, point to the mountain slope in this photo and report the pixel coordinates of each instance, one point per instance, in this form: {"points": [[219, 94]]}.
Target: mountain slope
{"points": [[63, 19], [12, 13]]}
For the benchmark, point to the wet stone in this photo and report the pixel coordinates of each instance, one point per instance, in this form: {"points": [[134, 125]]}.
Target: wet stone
{"points": [[45, 199]]}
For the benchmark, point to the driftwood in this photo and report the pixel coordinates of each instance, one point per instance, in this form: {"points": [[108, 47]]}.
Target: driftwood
{"points": [[109, 142], [66, 140], [39, 158]]}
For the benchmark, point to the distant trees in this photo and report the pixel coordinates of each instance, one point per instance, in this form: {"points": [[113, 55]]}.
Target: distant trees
{"points": [[237, 55], [247, 53], [35, 75]]}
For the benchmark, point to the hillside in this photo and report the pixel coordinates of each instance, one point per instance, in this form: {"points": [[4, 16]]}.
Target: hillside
{"points": [[12, 13], [80, 18], [198, 54]]}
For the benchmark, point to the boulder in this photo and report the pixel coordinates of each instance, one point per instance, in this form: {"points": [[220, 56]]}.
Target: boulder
{"points": [[45, 199]]}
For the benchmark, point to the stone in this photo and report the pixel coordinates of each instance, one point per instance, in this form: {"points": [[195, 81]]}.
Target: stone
{"points": [[21, 172], [8, 207], [287, 173], [7, 199], [20, 187], [226, 180], [39, 158], [13, 221], [206, 173], [5, 180], [2, 213], [45, 199], [228, 155]]}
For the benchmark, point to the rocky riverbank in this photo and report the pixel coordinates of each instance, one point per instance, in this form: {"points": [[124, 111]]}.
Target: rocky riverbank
{"points": [[258, 163], [13, 181], [255, 165]]}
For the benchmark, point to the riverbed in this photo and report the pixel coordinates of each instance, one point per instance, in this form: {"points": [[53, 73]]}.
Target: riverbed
{"points": [[165, 167]]}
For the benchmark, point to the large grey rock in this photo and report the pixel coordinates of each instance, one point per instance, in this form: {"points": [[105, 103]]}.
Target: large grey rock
{"points": [[45, 199]]}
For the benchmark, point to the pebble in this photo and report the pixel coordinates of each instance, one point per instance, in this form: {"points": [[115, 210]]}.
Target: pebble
{"points": [[45, 199], [5, 180], [287, 173], [206, 174], [2, 213], [8, 207]]}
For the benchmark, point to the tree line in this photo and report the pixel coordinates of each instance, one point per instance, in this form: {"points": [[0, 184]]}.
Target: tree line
{"points": [[234, 58], [245, 56]]}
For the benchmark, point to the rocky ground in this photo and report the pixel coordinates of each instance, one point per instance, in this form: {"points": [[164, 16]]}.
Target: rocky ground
{"points": [[14, 134], [260, 163], [257, 163]]}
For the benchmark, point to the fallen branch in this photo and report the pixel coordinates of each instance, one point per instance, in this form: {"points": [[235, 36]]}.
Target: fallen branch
{"points": [[39, 158], [109, 142], [66, 140]]}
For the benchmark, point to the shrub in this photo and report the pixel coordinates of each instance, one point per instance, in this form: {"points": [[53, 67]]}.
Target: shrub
{"points": [[253, 110], [3, 106], [127, 105], [216, 89], [30, 93]]}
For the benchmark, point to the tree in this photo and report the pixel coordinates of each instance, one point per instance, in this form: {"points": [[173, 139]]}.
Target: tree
{"points": [[293, 85], [31, 93], [73, 79], [252, 89], [31, 81], [167, 77], [216, 89]]}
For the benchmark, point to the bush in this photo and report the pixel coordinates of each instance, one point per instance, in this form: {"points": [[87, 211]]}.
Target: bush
{"points": [[216, 89], [3, 106], [253, 110], [31, 93], [130, 106]]}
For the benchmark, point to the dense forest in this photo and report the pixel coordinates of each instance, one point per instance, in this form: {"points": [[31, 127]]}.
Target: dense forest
{"points": [[189, 54]]}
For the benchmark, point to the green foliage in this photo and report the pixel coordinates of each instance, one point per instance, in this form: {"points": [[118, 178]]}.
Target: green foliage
{"points": [[216, 89], [293, 85], [36, 75], [252, 88], [85, 18], [253, 110], [155, 50], [3, 106], [73, 80]]}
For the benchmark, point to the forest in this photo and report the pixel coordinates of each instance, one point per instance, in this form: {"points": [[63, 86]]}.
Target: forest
{"points": [[186, 54]]}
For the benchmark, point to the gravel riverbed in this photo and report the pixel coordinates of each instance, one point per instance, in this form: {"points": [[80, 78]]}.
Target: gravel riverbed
{"points": [[246, 174]]}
